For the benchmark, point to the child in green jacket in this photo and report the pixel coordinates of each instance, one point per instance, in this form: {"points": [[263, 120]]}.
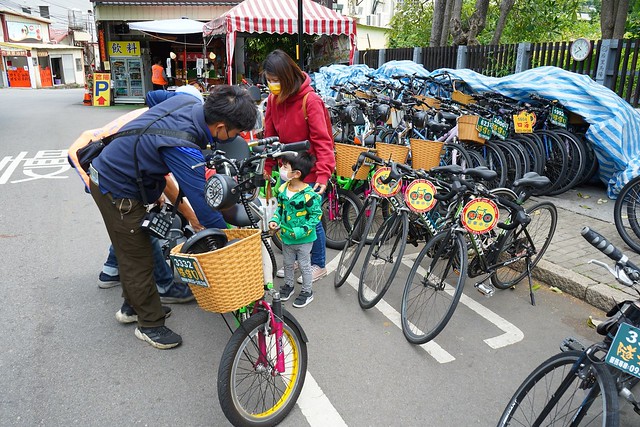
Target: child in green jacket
{"points": [[299, 211]]}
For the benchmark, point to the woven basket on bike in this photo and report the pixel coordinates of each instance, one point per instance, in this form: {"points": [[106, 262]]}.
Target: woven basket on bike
{"points": [[430, 103], [234, 272], [346, 157], [467, 129], [461, 97], [364, 95], [425, 154], [394, 152]]}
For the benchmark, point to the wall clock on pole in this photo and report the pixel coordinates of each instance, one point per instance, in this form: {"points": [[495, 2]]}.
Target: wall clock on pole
{"points": [[580, 49]]}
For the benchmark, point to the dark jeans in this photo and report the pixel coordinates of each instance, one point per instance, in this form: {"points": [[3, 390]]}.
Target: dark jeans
{"points": [[133, 248]]}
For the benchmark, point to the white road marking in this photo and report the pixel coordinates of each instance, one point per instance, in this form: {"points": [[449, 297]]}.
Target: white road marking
{"points": [[316, 407], [432, 348]]}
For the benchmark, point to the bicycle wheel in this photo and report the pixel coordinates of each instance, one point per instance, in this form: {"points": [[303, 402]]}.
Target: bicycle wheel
{"points": [[577, 161], [534, 238], [563, 392], [495, 160], [339, 209], [455, 154], [556, 163], [383, 259], [433, 287], [625, 214], [512, 157], [250, 393], [354, 242]]}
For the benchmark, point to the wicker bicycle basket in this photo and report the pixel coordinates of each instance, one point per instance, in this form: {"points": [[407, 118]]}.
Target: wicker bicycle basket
{"points": [[461, 97], [234, 273], [395, 152], [467, 129], [346, 157], [430, 103], [425, 154]]}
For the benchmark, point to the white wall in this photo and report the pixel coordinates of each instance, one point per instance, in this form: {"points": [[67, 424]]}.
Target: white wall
{"points": [[384, 11], [371, 37]]}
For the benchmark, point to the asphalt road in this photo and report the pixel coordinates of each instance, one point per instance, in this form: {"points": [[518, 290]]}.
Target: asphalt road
{"points": [[65, 360]]}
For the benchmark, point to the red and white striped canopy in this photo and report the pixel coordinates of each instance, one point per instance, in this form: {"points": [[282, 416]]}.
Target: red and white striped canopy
{"points": [[281, 17]]}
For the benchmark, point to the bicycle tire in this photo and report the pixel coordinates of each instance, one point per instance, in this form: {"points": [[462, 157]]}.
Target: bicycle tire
{"points": [[496, 161], [543, 384], [380, 215], [532, 151], [336, 230], [625, 214], [577, 161], [421, 324], [239, 361], [476, 159], [592, 161], [544, 220], [556, 163], [383, 259], [455, 154], [513, 162], [354, 243]]}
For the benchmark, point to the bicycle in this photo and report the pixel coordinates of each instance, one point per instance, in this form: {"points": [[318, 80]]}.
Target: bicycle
{"points": [[625, 214], [583, 386], [263, 366], [436, 280]]}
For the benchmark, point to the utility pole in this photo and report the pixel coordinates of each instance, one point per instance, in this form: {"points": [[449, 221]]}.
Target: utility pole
{"points": [[300, 34]]}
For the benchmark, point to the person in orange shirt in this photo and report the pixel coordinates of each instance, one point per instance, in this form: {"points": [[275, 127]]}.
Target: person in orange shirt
{"points": [[158, 77]]}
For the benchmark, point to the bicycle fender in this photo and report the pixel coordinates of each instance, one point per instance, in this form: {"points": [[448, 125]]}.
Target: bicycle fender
{"points": [[289, 316]]}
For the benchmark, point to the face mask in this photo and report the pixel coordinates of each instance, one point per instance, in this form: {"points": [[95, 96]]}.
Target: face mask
{"points": [[274, 88], [224, 141], [284, 175]]}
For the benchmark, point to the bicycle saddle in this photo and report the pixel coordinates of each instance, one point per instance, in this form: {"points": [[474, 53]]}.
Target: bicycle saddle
{"points": [[532, 179], [452, 169], [481, 172], [237, 215], [437, 127]]}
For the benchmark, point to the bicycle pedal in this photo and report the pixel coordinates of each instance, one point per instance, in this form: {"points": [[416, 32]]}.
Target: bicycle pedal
{"points": [[485, 289], [571, 343]]}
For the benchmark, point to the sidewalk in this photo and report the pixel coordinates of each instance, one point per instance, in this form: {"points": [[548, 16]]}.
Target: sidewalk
{"points": [[565, 264]]}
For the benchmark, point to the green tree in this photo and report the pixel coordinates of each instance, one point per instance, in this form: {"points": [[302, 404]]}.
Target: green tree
{"points": [[411, 24]]}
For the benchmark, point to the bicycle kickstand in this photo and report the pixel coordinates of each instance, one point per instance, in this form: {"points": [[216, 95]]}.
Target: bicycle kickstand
{"points": [[533, 298]]}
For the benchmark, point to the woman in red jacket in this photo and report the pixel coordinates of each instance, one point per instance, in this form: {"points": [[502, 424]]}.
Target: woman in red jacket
{"points": [[292, 96]]}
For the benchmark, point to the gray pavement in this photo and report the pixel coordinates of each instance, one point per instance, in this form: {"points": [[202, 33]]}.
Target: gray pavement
{"points": [[565, 264]]}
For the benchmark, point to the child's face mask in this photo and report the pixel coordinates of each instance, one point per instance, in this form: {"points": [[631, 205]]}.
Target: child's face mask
{"points": [[285, 173]]}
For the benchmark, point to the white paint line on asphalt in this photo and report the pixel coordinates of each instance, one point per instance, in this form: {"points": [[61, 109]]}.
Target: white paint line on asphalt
{"points": [[432, 348], [511, 334], [316, 407]]}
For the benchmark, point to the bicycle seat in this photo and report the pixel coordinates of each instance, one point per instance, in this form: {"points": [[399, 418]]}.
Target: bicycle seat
{"points": [[532, 179], [452, 169], [237, 215], [481, 172], [450, 117], [437, 127]]}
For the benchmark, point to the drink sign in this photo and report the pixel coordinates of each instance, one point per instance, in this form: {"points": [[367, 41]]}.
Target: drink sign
{"points": [[524, 121], [419, 196], [484, 128], [480, 215], [385, 190], [558, 117], [500, 128]]}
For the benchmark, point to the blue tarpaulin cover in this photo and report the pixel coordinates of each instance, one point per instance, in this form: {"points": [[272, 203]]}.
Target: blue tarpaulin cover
{"points": [[614, 127]]}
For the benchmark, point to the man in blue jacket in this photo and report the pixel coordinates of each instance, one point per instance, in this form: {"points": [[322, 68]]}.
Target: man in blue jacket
{"points": [[118, 180]]}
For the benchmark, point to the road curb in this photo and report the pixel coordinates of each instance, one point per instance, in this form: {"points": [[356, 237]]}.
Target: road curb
{"points": [[597, 294]]}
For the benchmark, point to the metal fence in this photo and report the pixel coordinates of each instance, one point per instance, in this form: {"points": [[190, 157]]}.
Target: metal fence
{"points": [[612, 63]]}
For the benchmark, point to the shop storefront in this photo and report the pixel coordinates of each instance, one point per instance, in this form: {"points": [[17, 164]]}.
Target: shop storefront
{"points": [[127, 72]]}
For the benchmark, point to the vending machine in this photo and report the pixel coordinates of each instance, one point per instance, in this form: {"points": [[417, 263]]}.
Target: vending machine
{"points": [[128, 77]]}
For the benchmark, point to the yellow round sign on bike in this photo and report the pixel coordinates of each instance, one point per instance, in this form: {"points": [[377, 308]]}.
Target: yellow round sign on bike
{"points": [[480, 215], [385, 190], [419, 195]]}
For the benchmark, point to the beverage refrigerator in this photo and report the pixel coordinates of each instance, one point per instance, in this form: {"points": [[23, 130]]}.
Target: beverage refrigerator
{"points": [[128, 77]]}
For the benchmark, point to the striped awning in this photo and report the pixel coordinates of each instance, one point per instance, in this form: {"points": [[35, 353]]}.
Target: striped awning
{"points": [[281, 17]]}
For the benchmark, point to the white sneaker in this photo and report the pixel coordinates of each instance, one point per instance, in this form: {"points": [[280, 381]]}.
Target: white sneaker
{"points": [[280, 272], [317, 273]]}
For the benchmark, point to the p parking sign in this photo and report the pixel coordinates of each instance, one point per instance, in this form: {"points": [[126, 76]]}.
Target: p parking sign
{"points": [[101, 89]]}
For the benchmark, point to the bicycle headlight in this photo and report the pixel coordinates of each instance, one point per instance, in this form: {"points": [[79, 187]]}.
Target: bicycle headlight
{"points": [[218, 192], [420, 119], [350, 114], [383, 112]]}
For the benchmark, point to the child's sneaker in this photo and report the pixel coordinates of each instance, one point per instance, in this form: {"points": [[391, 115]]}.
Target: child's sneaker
{"points": [[303, 299], [286, 292]]}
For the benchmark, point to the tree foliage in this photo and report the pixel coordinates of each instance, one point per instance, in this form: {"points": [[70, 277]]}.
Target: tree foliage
{"points": [[501, 21]]}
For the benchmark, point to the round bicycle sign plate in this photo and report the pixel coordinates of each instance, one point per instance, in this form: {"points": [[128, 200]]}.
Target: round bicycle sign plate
{"points": [[419, 195], [385, 190], [480, 215]]}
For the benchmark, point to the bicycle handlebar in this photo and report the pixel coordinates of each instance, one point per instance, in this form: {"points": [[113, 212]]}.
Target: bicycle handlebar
{"points": [[603, 245]]}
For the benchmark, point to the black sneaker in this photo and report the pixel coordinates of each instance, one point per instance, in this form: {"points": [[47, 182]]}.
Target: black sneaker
{"points": [[160, 337], [106, 281], [286, 292], [127, 314], [178, 293], [303, 299]]}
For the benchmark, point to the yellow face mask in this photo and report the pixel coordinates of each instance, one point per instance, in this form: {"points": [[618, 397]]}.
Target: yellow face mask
{"points": [[274, 88]]}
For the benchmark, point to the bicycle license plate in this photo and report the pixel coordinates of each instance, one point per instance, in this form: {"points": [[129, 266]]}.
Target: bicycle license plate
{"points": [[624, 353], [189, 270]]}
